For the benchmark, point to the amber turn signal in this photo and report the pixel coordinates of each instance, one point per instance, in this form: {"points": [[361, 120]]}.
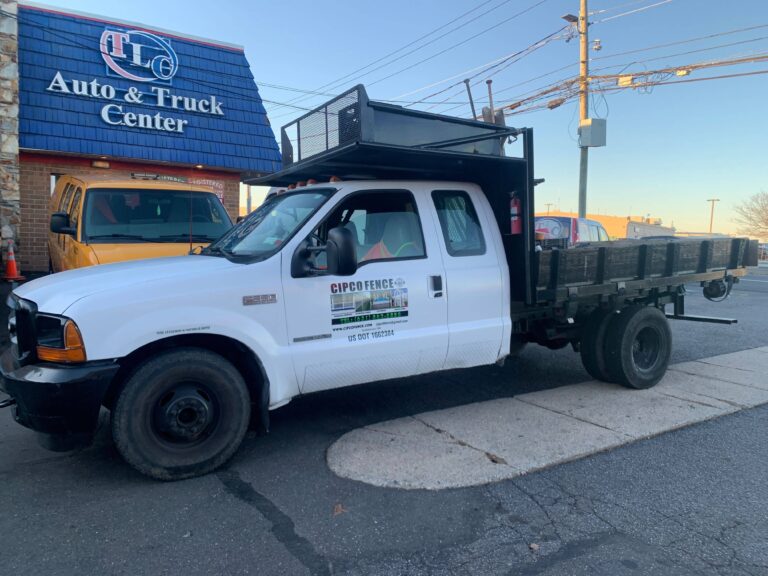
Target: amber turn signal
{"points": [[73, 351]]}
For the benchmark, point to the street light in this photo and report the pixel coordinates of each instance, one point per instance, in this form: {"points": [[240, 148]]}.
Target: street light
{"points": [[712, 212], [570, 18]]}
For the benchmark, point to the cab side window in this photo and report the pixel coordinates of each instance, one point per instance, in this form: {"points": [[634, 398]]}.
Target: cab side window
{"points": [[74, 209], [459, 223], [65, 198], [385, 225]]}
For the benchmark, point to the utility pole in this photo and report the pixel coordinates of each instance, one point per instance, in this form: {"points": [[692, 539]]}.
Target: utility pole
{"points": [[583, 102], [712, 212], [548, 205]]}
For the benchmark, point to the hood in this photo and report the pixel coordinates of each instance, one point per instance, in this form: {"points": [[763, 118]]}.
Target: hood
{"points": [[110, 253], [57, 292]]}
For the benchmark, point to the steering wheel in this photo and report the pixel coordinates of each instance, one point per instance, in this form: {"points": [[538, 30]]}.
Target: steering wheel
{"points": [[403, 247]]}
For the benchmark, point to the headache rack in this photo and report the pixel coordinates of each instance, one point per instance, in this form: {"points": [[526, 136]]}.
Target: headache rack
{"points": [[352, 137]]}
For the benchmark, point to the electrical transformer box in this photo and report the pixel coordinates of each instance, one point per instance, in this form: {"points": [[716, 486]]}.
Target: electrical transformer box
{"points": [[592, 132]]}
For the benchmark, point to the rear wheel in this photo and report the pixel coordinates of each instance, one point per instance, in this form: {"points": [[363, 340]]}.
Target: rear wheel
{"points": [[592, 345], [181, 414], [638, 347]]}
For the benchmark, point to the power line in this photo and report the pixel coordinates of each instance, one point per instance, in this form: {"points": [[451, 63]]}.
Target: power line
{"points": [[505, 63], [682, 53], [617, 7], [632, 11], [486, 30], [346, 77], [696, 66], [686, 41], [663, 82], [687, 80], [443, 51]]}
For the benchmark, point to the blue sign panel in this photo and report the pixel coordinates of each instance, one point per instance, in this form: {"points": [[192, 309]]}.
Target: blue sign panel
{"points": [[95, 87]]}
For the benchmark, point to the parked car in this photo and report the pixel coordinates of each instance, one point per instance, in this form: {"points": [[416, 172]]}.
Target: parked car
{"points": [[98, 221], [570, 231]]}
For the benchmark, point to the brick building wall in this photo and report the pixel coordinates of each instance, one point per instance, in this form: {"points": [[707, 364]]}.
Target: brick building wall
{"points": [[35, 185]]}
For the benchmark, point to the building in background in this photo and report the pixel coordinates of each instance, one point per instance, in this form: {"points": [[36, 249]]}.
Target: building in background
{"points": [[93, 94]]}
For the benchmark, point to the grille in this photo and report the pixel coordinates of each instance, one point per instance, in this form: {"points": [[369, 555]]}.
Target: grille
{"points": [[333, 125], [21, 328]]}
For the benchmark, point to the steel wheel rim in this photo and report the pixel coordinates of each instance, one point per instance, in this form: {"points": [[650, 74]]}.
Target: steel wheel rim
{"points": [[646, 349], [185, 414]]}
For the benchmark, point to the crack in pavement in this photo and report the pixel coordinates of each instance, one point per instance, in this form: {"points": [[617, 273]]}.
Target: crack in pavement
{"points": [[700, 402], [724, 366], [283, 527], [582, 420], [723, 400], [718, 378], [733, 561], [495, 458]]}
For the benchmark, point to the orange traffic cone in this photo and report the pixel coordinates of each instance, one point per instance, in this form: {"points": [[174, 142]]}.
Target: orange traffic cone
{"points": [[11, 271]]}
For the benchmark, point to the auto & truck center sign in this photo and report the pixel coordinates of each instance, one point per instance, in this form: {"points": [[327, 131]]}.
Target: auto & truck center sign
{"points": [[92, 86]]}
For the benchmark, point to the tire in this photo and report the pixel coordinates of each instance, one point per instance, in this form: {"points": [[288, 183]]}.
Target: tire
{"points": [[182, 413], [592, 346], [638, 347]]}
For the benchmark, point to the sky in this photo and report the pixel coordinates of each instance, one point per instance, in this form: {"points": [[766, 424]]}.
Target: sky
{"points": [[669, 149]]}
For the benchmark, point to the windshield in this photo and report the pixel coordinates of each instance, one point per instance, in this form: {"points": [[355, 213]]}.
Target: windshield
{"points": [[153, 215], [275, 222]]}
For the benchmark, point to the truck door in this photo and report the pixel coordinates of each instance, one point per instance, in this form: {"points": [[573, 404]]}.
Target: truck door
{"points": [[389, 319], [474, 283]]}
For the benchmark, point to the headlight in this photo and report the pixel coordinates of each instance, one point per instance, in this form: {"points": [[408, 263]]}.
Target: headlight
{"points": [[58, 339]]}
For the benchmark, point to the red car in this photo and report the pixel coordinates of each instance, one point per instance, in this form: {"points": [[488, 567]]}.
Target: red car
{"points": [[571, 230]]}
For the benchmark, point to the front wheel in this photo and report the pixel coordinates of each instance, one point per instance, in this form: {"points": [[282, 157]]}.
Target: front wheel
{"points": [[181, 414], [638, 347]]}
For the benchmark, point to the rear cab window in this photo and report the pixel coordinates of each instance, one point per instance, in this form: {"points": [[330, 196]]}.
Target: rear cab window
{"points": [[459, 223]]}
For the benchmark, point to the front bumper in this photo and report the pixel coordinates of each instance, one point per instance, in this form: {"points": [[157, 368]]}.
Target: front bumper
{"points": [[54, 398]]}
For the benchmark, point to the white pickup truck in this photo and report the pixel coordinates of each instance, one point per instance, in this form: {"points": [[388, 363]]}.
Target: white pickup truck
{"points": [[333, 284]]}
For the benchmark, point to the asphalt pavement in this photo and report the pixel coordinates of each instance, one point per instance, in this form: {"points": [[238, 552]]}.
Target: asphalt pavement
{"points": [[693, 501]]}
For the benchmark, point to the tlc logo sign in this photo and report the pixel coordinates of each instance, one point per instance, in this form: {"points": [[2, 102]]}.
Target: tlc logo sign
{"points": [[138, 56]]}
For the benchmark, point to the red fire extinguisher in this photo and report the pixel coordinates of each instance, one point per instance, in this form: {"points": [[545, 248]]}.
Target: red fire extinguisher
{"points": [[515, 217]]}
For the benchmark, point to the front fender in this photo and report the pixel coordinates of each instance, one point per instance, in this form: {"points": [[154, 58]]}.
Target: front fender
{"points": [[114, 333]]}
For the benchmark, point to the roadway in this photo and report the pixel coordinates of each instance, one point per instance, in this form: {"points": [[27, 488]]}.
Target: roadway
{"points": [[693, 501]]}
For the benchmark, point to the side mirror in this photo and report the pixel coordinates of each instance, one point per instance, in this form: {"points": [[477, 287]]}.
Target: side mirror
{"points": [[60, 224], [341, 252]]}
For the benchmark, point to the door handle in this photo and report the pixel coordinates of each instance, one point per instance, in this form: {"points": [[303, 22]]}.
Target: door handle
{"points": [[436, 286]]}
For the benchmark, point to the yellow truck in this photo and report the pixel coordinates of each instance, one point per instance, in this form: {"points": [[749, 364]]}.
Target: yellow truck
{"points": [[99, 221]]}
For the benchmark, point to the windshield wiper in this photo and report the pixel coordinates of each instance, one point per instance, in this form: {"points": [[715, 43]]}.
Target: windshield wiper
{"points": [[215, 250], [193, 237], [125, 236]]}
